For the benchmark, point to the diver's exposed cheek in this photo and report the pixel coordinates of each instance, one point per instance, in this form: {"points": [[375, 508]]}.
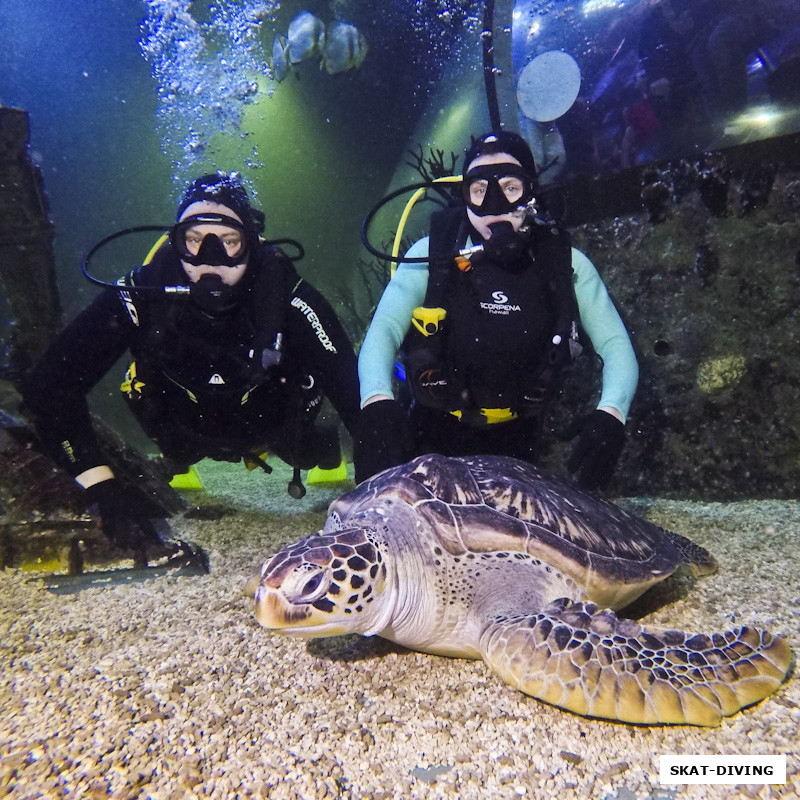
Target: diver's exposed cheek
{"points": [[228, 275]]}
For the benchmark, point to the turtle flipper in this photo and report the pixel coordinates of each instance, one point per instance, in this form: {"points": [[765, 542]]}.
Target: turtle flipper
{"points": [[593, 663]]}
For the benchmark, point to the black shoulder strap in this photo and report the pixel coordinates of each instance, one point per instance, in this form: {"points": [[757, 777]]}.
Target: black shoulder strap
{"points": [[553, 245], [447, 227], [162, 269]]}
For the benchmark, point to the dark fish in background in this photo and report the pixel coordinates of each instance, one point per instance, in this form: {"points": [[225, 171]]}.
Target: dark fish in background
{"points": [[706, 263], [684, 179], [656, 195], [713, 179], [757, 184]]}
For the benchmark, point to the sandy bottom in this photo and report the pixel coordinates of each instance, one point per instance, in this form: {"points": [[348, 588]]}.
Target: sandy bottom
{"points": [[170, 689]]}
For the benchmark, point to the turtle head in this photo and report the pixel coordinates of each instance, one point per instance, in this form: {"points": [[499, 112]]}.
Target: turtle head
{"points": [[326, 584]]}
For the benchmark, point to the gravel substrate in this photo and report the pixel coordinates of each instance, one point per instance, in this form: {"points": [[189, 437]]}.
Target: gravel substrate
{"points": [[169, 689]]}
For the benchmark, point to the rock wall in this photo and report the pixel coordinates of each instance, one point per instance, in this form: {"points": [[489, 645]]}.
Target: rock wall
{"points": [[708, 283], [27, 264]]}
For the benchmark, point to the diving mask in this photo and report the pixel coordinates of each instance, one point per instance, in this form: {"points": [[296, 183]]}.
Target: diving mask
{"points": [[213, 240], [496, 189]]}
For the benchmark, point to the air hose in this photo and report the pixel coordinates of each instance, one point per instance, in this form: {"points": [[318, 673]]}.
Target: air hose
{"points": [[419, 190]]}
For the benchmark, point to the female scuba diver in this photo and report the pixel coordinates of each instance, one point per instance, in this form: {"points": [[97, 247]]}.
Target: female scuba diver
{"points": [[237, 368], [500, 303]]}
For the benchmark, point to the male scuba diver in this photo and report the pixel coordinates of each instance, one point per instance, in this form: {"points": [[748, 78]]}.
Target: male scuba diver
{"points": [[236, 368], [488, 311]]}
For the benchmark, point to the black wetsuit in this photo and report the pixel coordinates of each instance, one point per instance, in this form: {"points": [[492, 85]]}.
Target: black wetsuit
{"points": [[200, 388]]}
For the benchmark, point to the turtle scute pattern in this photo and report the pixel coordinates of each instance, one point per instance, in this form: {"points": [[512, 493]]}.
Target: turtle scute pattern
{"points": [[486, 504], [504, 486], [354, 560], [592, 663]]}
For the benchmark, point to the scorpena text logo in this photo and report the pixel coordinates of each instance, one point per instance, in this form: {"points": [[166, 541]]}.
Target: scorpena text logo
{"points": [[500, 304]]}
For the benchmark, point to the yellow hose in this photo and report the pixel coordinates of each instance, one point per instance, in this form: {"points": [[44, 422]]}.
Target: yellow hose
{"points": [[407, 210], [154, 249]]}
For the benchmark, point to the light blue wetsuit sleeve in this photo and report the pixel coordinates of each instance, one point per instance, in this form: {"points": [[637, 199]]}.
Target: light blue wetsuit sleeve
{"points": [[605, 328], [390, 323]]}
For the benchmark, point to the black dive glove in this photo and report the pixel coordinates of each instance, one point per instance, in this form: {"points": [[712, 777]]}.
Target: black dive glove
{"points": [[382, 438], [129, 519], [594, 457]]}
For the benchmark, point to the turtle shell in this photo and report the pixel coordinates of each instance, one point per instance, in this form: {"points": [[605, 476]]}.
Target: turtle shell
{"points": [[492, 504]]}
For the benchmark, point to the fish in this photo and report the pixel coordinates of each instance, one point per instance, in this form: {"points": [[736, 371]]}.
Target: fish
{"points": [[339, 46], [306, 37], [345, 47], [280, 62]]}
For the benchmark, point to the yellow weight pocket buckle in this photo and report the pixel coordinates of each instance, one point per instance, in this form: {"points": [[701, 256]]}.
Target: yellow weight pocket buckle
{"points": [[426, 320], [132, 385]]}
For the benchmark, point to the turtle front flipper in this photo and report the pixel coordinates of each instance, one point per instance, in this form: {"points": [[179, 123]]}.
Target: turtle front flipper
{"points": [[592, 663]]}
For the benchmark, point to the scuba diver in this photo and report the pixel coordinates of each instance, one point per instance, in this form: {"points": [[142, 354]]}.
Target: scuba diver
{"points": [[237, 368], [489, 310]]}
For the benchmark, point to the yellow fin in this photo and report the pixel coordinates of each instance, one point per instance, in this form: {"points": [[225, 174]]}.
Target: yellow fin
{"points": [[187, 480], [327, 477]]}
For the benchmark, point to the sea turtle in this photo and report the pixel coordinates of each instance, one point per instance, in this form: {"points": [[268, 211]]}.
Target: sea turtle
{"points": [[488, 557]]}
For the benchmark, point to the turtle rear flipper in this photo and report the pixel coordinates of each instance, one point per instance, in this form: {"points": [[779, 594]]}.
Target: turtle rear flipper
{"points": [[593, 663]]}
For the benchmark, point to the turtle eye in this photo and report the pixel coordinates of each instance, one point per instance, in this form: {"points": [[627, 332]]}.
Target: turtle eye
{"points": [[311, 586], [308, 585]]}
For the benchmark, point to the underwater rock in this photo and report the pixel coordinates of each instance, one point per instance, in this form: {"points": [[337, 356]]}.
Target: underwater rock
{"points": [[45, 525], [720, 374], [714, 183], [656, 195], [757, 185], [27, 263], [698, 424], [706, 263], [684, 179]]}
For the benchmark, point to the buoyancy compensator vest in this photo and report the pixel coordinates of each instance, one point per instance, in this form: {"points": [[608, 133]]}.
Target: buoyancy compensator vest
{"points": [[214, 360], [493, 339]]}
